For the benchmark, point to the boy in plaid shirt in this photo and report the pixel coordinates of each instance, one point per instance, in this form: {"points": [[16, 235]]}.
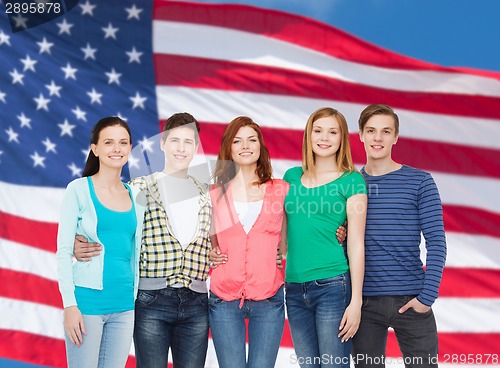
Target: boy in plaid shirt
{"points": [[171, 310]]}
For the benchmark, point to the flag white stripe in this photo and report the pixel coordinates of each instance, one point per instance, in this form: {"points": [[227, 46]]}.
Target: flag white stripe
{"points": [[225, 44], [39, 203], [287, 358], [24, 258], [472, 251], [25, 316], [467, 315], [30, 317], [457, 190], [291, 112]]}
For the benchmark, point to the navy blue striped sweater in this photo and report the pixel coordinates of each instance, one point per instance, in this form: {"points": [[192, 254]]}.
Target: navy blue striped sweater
{"points": [[401, 205]]}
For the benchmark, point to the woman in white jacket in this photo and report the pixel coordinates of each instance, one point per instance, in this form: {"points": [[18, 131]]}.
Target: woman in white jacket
{"points": [[98, 296]]}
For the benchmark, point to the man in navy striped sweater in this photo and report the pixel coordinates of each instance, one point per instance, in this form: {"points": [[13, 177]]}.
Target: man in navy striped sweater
{"points": [[403, 202]]}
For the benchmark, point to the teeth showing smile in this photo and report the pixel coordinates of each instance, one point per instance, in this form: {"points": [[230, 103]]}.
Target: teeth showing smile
{"points": [[246, 154], [323, 146], [180, 157], [378, 147]]}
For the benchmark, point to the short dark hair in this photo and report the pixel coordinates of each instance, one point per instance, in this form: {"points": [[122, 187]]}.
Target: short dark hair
{"points": [[377, 109], [180, 119]]}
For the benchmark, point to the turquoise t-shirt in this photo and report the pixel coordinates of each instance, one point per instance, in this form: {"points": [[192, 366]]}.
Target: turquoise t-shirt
{"points": [[116, 231], [313, 216]]}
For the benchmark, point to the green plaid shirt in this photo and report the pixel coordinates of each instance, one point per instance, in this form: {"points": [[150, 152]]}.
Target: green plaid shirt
{"points": [[162, 255]]}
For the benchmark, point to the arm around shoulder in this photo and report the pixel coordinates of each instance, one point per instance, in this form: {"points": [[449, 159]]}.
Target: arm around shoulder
{"points": [[65, 238]]}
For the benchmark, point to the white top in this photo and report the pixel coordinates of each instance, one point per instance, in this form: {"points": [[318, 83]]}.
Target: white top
{"points": [[180, 198], [248, 213]]}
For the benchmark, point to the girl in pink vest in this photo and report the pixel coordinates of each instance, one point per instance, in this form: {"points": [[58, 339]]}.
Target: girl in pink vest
{"points": [[248, 219]]}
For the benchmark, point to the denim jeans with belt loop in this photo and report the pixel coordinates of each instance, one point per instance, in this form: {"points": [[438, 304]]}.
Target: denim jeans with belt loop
{"points": [[315, 310], [175, 318], [266, 320]]}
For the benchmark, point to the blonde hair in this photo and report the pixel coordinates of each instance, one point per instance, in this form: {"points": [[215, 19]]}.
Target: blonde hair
{"points": [[344, 157]]}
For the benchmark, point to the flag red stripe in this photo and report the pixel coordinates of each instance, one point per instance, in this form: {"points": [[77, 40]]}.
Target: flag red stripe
{"points": [[470, 220], [295, 29], [480, 283], [41, 290], [482, 344], [37, 349], [470, 283], [443, 157], [459, 219], [457, 282], [278, 141], [32, 348], [457, 159], [187, 71], [38, 234]]}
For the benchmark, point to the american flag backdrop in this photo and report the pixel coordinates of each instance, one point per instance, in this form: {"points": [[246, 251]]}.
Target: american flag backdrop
{"points": [[144, 60]]}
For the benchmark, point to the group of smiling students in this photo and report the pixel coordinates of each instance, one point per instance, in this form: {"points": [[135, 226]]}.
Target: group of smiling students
{"points": [[145, 249]]}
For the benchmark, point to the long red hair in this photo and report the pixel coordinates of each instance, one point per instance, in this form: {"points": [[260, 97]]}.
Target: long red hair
{"points": [[225, 169]]}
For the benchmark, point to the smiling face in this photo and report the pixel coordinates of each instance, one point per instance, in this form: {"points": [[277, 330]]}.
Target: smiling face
{"points": [[379, 135], [179, 147], [245, 148], [325, 137], [113, 147]]}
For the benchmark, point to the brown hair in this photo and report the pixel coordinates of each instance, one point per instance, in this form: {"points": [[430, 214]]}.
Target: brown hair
{"points": [[181, 119], [225, 169], [344, 158], [377, 109], [92, 164]]}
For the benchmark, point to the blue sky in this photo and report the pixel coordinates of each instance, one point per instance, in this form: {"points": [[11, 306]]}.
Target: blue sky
{"points": [[446, 32]]}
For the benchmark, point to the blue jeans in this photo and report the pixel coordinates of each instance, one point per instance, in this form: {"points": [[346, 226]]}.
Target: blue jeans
{"points": [[106, 344], [315, 310], [175, 318], [416, 333], [266, 319]]}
